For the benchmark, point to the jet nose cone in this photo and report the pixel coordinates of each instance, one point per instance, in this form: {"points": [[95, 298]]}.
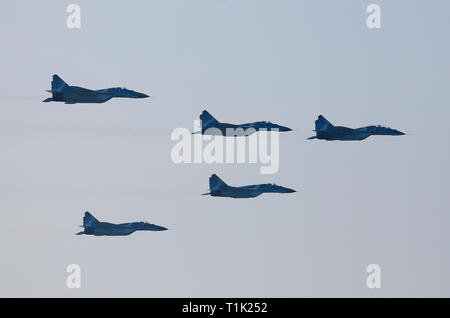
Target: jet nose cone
{"points": [[395, 132], [141, 95], [282, 128], [287, 190]]}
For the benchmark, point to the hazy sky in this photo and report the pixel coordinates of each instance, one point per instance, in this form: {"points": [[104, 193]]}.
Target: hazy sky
{"points": [[384, 200]]}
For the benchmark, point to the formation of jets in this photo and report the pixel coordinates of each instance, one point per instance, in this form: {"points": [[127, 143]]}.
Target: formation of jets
{"points": [[62, 92]]}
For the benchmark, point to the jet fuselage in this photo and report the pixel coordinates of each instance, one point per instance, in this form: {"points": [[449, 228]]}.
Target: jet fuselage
{"points": [[218, 188], [61, 92], [211, 126], [94, 227], [326, 131]]}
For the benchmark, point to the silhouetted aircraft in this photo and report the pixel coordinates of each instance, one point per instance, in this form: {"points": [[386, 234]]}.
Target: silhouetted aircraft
{"points": [[210, 126], [61, 92], [325, 130], [92, 226], [218, 188]]}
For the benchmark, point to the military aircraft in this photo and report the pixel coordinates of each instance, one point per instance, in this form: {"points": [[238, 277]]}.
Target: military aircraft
{"points": [[326, 131], [61, 92], [92, 226], [210, 126], [218, 188]]}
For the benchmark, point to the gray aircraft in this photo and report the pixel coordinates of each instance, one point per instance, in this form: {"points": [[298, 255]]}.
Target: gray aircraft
{"points": [[61, 92], [211, 126], [326, 131], [218, 188], [92, 226]]}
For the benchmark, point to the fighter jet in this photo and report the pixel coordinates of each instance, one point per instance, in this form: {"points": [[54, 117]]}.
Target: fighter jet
{"points": [[210, 126], [218, 188], [326, 131], [92, 226], [61, 92]]}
